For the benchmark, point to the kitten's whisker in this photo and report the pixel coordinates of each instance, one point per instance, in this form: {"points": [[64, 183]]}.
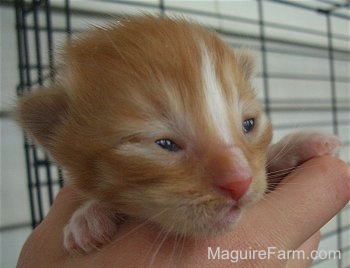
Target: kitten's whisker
{"points": [[172, 259], [285, 183], [293, 168], [145, 222], [161, 231], [277, 178], [183, 236], [277, 171], [166, 235], [280, 154]]}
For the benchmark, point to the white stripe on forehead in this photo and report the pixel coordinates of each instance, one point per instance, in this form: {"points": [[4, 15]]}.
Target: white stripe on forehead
{"points": [[216, 103]]}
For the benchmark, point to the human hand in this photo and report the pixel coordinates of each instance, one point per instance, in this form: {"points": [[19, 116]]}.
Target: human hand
{"points": [[288, 218]]}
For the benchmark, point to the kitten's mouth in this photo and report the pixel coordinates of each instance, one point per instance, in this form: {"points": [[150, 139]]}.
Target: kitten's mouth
{"points": [[229, 218], [232, 215]]}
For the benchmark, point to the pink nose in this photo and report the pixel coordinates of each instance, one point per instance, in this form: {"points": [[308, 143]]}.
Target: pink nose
{"points": [[237, 188]]}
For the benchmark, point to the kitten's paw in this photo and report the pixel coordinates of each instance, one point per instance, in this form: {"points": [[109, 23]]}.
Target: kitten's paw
{"points": [[311, 144], [296, 148], [91, 226]]}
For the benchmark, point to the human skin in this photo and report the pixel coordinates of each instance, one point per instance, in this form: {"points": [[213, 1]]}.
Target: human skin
{"points": [[288, 218]]}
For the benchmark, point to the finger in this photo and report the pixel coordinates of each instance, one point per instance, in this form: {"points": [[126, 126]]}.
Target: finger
{"points": [[66, 202], [315, 192], [47, 236], [307, 247]]}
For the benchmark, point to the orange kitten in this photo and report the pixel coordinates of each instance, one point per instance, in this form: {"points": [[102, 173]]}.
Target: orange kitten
{"points": [[155, 118]]}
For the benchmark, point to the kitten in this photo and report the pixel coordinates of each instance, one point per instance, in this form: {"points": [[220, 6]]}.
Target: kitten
{"points": [[155, 118]]}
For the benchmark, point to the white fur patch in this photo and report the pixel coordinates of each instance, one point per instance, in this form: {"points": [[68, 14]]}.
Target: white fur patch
{"points": [[216, 103]]}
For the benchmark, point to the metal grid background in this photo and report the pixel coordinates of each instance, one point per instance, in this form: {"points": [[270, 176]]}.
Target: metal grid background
{"points": [[41, 26]]}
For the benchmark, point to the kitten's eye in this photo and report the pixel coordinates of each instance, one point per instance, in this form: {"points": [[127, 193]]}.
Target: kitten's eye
{"points": [[248, 125], [168, 145]]}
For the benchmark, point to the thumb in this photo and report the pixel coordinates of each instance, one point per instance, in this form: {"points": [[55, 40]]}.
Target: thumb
{"points": [[314, 193]]}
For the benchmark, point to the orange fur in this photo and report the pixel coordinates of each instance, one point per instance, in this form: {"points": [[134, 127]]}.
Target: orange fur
{"points": [[123, 87]]}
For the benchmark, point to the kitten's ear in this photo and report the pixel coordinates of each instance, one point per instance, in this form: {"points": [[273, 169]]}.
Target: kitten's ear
{"points": [[41, 113], [246, 62]]}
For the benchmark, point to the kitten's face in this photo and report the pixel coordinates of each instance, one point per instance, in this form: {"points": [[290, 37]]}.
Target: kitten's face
{"points": [[157, 122]]}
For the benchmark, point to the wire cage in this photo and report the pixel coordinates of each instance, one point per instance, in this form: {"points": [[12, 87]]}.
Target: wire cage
{"points": [[43, 25]]}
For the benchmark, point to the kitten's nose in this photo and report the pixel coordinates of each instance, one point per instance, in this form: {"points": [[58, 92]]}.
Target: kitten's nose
{"points": [[230, 171], [237, 188]]}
